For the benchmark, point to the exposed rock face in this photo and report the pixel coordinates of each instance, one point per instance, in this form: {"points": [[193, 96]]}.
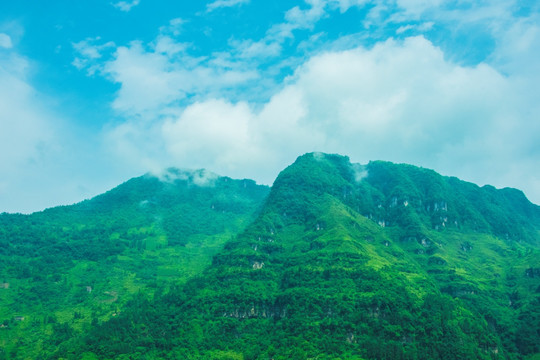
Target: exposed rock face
{"points": [[257, 311], [437, 206], [257, 265]]}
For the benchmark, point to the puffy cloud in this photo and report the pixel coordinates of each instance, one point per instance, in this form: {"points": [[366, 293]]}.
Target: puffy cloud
{"points": [[404, 102], [217, 131], [151, 79], [147, 79]]}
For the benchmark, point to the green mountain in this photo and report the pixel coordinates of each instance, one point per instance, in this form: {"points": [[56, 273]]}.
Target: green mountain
{"points": [[69, 267], [342, 261]]}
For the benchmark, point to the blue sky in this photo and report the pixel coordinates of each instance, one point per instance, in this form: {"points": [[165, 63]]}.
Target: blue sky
{"points": [[95, 92]]}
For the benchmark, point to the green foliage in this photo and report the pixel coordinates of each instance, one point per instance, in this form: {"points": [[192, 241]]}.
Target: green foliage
{"points": [[342, 261], [70, 268]]}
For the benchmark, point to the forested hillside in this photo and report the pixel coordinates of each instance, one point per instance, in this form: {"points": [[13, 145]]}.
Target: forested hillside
{"points": [[66, 269], [342, 261]]}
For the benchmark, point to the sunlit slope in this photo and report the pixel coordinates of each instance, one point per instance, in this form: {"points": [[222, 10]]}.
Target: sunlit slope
{"points": [[382, 261], [68, 268]]}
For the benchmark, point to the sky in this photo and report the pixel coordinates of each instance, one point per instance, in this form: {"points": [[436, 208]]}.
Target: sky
{"points": [[93, 93]]}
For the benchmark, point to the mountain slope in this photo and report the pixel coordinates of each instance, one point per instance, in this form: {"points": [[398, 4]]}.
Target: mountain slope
{"points": [[382, 261], [68, 267]]}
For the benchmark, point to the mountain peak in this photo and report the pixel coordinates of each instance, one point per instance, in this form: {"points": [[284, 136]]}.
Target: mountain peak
{"points": [[336, 260], [398, 194]]}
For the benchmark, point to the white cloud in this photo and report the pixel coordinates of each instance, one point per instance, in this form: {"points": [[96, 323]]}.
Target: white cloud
{"points": [[174, 27], [403, 101], [305, 19], [420, 27], [295, 18], [167, 45], [217, 131], [88, 52], [224, 3], [5, 41], [147, 80], [151, 79], [404, 28], [400, 100], [256, 49], [126, 6]]}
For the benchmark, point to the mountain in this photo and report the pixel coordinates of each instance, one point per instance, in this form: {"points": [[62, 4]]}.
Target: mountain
{"points": [[68, 267], [339, 261]]}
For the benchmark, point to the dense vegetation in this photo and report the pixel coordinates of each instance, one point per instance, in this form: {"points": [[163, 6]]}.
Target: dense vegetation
{"points": [[343, 261], [68, 268]]}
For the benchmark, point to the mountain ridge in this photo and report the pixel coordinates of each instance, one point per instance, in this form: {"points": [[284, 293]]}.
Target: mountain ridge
{"points": [[336, 266], [340, 260]]}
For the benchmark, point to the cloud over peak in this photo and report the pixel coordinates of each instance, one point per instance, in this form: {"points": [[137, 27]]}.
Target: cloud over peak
{"points": [[400, 100]]}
